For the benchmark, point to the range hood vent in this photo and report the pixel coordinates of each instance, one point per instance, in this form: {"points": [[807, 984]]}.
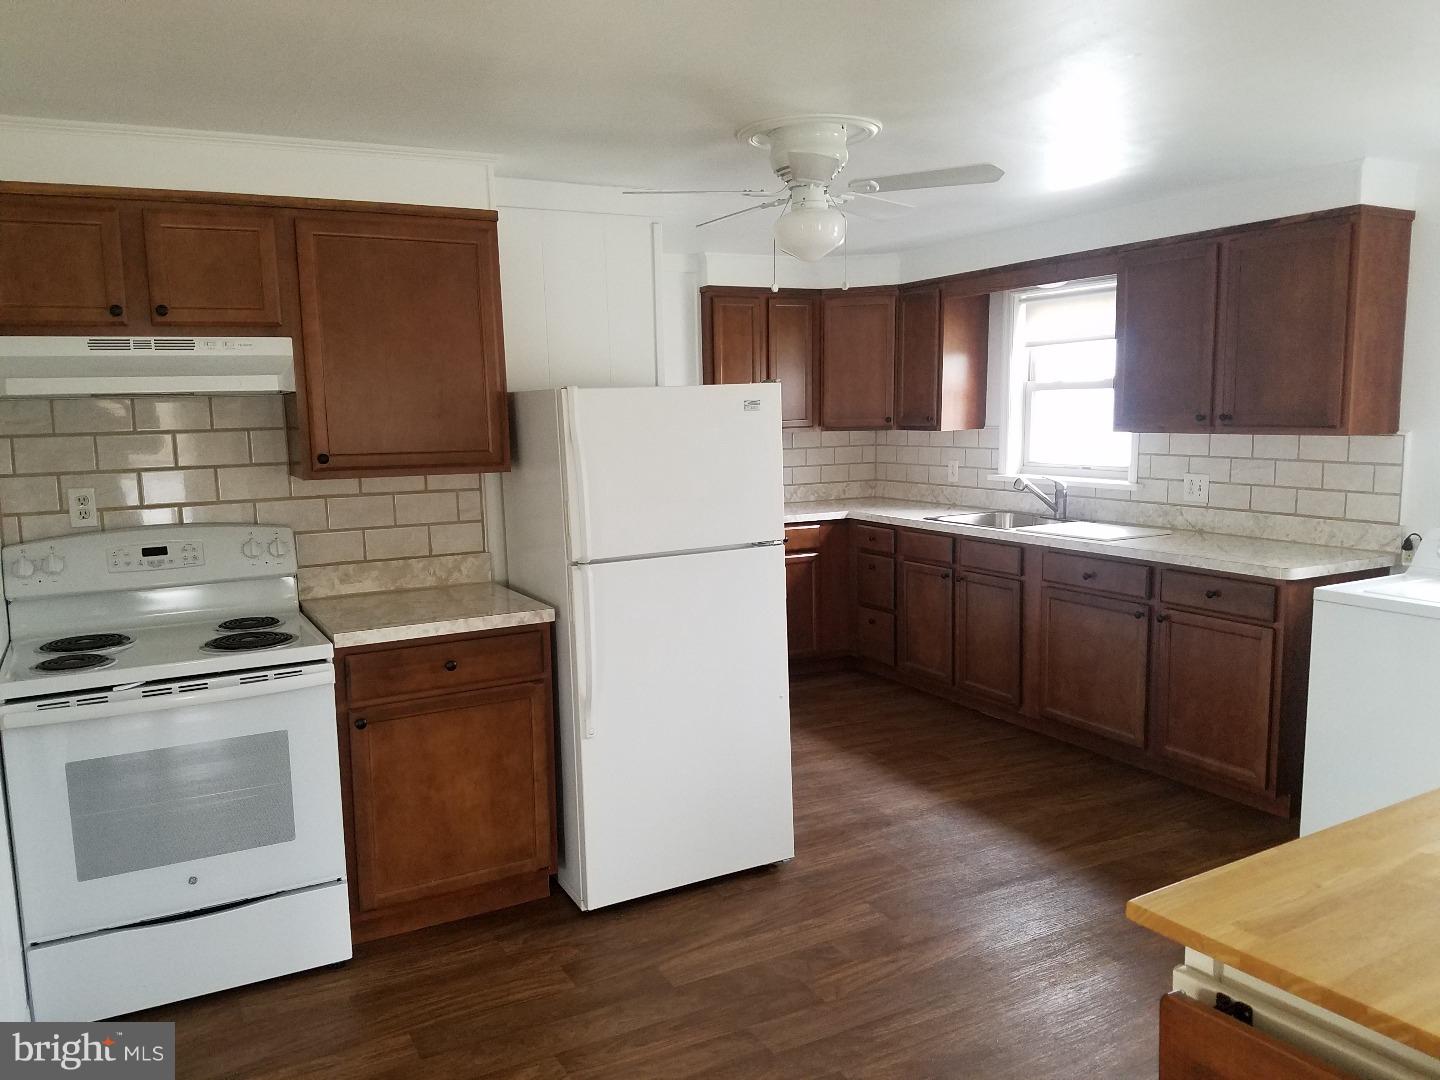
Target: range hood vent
{"points": [[86, 366]]}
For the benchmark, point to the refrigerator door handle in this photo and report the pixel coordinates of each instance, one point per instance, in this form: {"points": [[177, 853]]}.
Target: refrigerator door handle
{"points": [[580, 510], [586, 665]]}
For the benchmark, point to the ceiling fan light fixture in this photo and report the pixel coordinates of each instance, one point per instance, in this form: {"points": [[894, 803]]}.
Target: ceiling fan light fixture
{"points": [[810, 232]]}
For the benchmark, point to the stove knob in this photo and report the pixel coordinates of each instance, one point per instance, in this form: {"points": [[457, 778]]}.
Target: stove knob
{"points": [[250, 549], [53, 564], [23, 567], [278, 548]]}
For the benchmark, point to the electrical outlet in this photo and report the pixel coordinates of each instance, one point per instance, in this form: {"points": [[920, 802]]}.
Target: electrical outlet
{"points": [[1197, 488], [82, 508], [952, 472]]}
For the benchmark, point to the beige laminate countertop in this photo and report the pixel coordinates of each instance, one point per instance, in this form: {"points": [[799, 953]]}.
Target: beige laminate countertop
{"points": [[375, 618], [1344, 918], [1249, 556]]}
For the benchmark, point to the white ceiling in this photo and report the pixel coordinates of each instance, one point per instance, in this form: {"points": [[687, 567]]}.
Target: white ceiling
{"points": [[1084, 104]]}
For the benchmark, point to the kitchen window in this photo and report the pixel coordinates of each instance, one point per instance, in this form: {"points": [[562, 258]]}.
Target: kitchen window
{"points": [[1062, 384]]}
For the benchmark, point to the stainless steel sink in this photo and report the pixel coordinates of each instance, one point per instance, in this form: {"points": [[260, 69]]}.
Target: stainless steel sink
{"points": [[994, 519]]}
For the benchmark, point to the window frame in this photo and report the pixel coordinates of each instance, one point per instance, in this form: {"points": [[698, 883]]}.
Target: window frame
{"points": [[1021, 387]]}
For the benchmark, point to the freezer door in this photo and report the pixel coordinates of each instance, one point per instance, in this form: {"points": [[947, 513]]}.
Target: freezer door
{"points": [[684, 721], [667, 469]]}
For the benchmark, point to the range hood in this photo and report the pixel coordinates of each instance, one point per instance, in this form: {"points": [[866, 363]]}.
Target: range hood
{"points": [[84, 366]]}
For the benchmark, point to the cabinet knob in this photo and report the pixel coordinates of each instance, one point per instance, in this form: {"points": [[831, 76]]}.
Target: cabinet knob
{"points": [[1162, 618], [360, 724], [323, 459], [871, 621], [116, 310], [1212, 594], [451, 665], [1088, 575], [1141, 615], [1200, 417], [161, 310], [945, 576], [1226, 417], [887, 419], [929, 419]]}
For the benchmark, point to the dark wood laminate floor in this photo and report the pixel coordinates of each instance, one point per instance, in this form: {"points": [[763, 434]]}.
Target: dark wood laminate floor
{"points": [[954, 910]]}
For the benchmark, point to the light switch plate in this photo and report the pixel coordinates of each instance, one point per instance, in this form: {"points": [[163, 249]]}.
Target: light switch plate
{"points": [[1197, 488], [952, 472], [83, 514]]}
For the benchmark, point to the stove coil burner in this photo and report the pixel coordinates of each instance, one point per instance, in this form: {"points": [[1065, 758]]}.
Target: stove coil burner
{"points": [[75, 661], [248, 641], [87, 643], [250, 622]]}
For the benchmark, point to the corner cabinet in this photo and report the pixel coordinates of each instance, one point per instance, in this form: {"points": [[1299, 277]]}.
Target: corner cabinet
{"points": [[857, 354], [404, 366], [756, 335], [447, 776]]}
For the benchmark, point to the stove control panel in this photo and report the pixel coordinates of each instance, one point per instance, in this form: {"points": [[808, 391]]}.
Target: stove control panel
{"points": [[157, 556]]}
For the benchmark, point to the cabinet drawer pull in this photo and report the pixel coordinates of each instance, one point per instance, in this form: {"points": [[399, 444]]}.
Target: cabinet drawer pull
{"points": [[1088, 575], [1139, 614], [1162, 618], [1212, 594], [360, 724], [116, 310], [451, 665], [161, 310]]}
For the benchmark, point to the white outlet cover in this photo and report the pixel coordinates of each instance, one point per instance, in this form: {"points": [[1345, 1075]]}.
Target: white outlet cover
{"points": [[1197, 488], [952, 472], [83, 512]]}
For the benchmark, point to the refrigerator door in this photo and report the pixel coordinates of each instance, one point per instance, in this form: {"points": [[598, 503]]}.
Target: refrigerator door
{"points": [[666, 469], [683, 721]]}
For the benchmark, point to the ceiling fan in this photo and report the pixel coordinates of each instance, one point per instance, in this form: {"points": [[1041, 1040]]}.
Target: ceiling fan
{"points": [[808, 154]]}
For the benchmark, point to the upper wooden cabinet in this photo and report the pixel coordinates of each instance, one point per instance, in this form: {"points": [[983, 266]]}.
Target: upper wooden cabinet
{"points": [[942, 346], [212, 267], [61, 264], [755, 335], [1290, 326], [858, 359], [404, 363]]}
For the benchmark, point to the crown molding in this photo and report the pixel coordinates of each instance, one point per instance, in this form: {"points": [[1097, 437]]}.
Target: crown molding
{"points": [[42, 125]]}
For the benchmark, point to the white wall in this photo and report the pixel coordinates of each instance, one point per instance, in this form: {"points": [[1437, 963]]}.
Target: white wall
{"points": [[1420, 392]]}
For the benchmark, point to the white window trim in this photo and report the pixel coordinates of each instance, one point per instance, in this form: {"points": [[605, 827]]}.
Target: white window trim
{"points": [[1015, 403]]}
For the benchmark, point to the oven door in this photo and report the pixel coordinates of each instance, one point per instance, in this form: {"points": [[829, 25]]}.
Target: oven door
{"points": [[197, 799]]}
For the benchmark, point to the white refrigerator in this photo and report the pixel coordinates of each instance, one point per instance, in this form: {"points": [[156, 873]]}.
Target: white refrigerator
{"points": [[652, 520]]}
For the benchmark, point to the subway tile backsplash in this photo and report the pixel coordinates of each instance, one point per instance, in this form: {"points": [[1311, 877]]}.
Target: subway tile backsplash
{"points": [[1319, 489], [166, 461]]}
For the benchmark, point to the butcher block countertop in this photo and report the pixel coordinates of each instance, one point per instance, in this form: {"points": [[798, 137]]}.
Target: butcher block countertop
{"points": [[1347, 918], [1278, 560], [403, 614]]}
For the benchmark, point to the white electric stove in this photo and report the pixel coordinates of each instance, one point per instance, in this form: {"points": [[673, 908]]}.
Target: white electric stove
{"points": [[168, 723]]}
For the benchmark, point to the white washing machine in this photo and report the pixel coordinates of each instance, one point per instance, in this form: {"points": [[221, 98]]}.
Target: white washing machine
{"points": [[1372, 738]]}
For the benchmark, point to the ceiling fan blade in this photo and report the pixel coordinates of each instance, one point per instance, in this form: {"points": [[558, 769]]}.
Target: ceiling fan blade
{"points": [[962, 174], [874, 208], [754, 193], [880, 198], [737, 213]]}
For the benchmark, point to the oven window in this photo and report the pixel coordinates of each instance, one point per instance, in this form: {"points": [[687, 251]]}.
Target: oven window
{"points": [[172, 805]]}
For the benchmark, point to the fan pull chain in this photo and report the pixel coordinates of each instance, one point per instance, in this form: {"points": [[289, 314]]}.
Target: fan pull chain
{"points": [[845, 255], [774, 265]]}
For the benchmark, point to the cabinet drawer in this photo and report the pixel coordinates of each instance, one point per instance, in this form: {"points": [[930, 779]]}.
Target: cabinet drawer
{"points": [[803, 538], [1223, 596], [1077, 571], [992, 558], [927, 547], [879, 538], [424, 670], [875, 636], [875, 581]]}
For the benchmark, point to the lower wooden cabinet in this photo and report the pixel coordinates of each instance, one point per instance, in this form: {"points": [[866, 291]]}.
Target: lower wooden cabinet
{"points": [[987, 636], [1211, 702], [449, 794], [817, 590], [927, 626], [802, 602], [1094, 658], [1198, 1042]]}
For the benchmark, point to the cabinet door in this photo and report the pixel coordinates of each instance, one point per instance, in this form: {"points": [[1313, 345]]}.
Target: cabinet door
{"points": [[209, 267], [802, 602], [964, 360], [450, 792], [1093, 657], [403, 363], [987, 636], [1165, 338], [735, 339], [1283, 320], [793, 341], [857, 373], [927, 627], [917, 360], [1212, 699], [60, 263]]}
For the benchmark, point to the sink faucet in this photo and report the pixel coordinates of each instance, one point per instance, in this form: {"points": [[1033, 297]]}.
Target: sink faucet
{"points": [[1056, 503]]}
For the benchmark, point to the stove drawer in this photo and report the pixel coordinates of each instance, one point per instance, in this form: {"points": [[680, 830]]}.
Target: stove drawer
{"points": [[463, 663]]}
